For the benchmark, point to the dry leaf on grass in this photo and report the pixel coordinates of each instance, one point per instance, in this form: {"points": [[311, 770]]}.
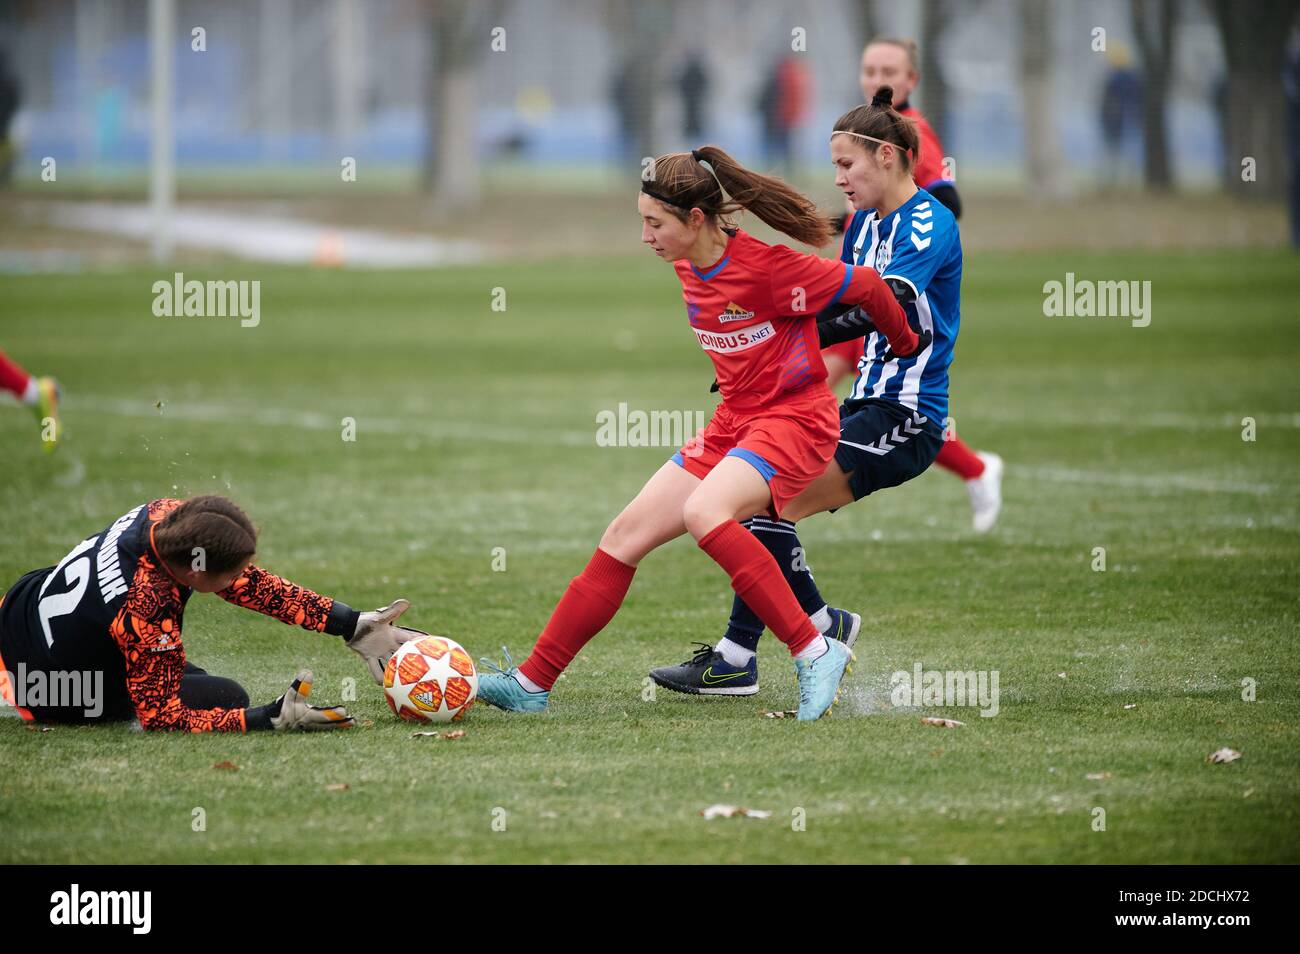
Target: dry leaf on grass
{"points": [[1131, 705], [781, 714], [453, 734], [337, 787], [1224, 754], [1098, 776], [732, 811], [38, 728], [227, 765], [945, 723]]}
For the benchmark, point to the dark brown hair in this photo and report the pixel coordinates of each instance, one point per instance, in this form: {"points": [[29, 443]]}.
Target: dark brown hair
{"points": [[680, 178], [217, 525], [880, 120]]}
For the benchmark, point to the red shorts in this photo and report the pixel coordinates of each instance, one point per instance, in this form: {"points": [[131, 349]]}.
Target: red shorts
{"points": [[790, 443]]}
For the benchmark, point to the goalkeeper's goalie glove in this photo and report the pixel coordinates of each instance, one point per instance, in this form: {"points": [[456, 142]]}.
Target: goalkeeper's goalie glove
{"points": [[376, 638], [292, 711]]}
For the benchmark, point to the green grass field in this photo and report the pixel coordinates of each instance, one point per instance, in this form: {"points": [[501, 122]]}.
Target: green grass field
{"points": [[476, 430]]}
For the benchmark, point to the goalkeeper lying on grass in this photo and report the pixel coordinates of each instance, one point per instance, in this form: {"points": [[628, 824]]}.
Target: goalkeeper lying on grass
{"points": [[109, 615]]}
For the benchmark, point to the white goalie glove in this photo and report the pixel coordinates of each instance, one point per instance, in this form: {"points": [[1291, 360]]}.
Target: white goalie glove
{"points": [[293, 713], [376, 638]]}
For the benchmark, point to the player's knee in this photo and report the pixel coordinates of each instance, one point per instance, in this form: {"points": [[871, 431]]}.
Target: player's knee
{"points": [[212, 692], [701, 516], [622, 539]]}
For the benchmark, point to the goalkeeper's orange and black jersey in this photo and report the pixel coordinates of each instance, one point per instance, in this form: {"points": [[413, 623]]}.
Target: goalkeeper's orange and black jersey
{"points": [[111, 606]]}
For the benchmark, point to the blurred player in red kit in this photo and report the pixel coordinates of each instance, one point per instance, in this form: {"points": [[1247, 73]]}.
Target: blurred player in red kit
{"points": [[40, 394]]}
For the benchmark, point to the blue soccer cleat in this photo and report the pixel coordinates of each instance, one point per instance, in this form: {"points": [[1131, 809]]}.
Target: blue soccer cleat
{"points": [[501, 689], [819, 680]]}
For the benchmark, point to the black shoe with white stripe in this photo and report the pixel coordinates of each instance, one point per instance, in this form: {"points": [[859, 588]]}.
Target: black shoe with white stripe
{"points": [[845, 626], [708, 673]]}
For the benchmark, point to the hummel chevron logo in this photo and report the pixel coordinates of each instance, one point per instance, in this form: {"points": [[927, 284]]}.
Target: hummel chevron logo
{"points": [[919, 213], [920, 243], [895, 438], [922, 226], [711, 680]]}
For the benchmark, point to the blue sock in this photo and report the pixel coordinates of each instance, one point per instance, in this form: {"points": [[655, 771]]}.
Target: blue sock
{"points": [[744, 627]]}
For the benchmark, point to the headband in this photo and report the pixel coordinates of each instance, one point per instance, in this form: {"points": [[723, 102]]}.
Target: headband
{"points": [[645, 187], [883, 142]]}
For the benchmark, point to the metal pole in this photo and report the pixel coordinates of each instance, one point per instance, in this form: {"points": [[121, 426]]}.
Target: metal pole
{"points": [[162, 148]]}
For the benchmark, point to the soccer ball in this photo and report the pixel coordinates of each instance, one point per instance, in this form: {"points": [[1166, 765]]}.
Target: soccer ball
{"points": [[430, 679]]}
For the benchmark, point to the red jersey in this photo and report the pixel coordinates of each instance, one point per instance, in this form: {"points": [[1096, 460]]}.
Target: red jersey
{"points": [[927, 171], [754, 313], [848, 351]]}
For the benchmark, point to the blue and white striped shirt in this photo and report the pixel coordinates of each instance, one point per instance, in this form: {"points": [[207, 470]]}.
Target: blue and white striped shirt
{"points": [[919, 245]]}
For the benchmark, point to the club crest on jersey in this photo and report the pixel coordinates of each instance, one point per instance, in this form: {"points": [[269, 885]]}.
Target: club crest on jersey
{"points": [[734, 312], [729, 343]]}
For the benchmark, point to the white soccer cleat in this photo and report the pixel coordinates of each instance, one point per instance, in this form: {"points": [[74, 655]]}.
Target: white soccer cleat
{"points": [[986, 493]]}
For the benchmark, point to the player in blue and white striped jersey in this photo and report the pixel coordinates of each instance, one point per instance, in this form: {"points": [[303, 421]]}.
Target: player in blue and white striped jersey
{"points": [[916, 249], [891, 426]]}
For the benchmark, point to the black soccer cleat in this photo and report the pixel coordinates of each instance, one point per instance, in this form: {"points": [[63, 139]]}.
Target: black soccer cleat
{"points": [[844, 626], [707, 673]]}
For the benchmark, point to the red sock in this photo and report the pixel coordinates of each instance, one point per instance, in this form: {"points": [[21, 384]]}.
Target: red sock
{"points": [[757, 579], [12, 378], [955, 456], [587, 606]]}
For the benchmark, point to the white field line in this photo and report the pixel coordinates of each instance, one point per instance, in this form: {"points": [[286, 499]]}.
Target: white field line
{"points": [[1157, 421], [316, 421], [451, 430], [1154, 483]]}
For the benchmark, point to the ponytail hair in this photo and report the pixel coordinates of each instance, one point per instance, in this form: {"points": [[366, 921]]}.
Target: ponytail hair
{"points": [[697, 180], [879, 122], [224, 533]]}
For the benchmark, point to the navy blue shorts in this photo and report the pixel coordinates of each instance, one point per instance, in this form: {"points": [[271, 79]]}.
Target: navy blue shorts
{"points": [[883, 444]]}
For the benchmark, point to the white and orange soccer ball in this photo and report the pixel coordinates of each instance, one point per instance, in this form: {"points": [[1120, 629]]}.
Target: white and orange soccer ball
{"points": [[430, 679]]}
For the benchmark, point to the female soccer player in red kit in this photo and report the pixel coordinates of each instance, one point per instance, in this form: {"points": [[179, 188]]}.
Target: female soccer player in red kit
{"points": [[753, 308], [890, 429], [891, 62]]}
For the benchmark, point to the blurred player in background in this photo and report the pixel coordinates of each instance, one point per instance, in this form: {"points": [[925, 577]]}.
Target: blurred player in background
{"points": [[890, 428], [10, 100], [40, 394], [753, 308], [113, 606], [891, 62]]}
